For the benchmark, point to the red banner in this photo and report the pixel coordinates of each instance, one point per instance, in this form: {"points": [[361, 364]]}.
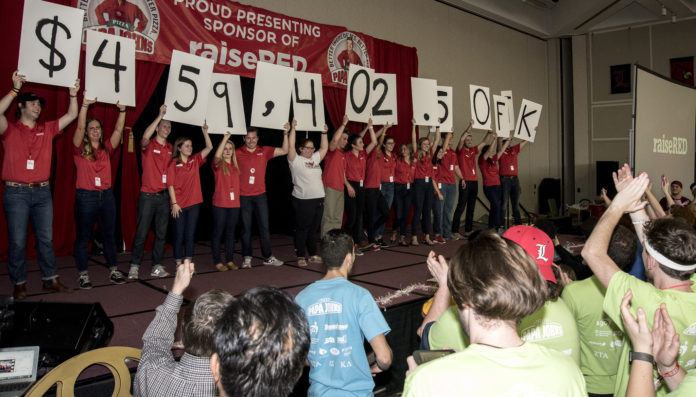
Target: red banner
{"points": [[235, 36]]}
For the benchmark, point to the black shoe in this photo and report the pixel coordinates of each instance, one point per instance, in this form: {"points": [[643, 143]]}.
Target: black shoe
{"points": [[381, 243]]}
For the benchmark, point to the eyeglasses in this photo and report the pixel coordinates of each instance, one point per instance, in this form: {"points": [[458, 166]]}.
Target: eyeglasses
{"points": [[308, 147]]}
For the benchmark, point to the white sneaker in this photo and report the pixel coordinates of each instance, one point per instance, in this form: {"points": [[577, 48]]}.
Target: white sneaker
{"points": [[247, 263], [133, 272], [85, 283], [273, 261], [159, 271]]}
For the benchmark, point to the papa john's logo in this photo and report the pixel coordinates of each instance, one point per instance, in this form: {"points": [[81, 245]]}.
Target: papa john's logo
{"points": [[135, 19], [346, 49]]}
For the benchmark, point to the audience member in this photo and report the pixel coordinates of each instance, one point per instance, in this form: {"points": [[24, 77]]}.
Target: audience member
{"points": [[340, 313], [261, 344], [673, 195], [159, 374]]}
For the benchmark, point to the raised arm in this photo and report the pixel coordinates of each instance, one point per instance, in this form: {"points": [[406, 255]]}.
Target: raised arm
{"points": [[283, 150], [433, 147], [17, 82], [460, 145], [118, 128], [414, 135], [291, 142], [324, 143], [82, 122], [654, 203], [504, 146], [438, 267], [665, 189], [153, 126], [373, 137], [491, 150], [218, 152], [68, 117], [337, 134], [208, 142], [484, 141], [381, 135]]}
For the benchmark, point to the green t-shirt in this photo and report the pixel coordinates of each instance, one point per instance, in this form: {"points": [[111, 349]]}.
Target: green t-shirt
{"points": [[600, 338], [687, 387], [552, 326], [680, 305], [479, 370]]}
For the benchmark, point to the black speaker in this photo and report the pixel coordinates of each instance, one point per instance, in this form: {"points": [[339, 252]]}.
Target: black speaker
{"points": [[549, 190], [61, 330], [604, 178]]}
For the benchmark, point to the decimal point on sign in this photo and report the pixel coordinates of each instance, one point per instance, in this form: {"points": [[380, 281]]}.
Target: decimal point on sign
{"points": [[269, 108], [426, 116]]}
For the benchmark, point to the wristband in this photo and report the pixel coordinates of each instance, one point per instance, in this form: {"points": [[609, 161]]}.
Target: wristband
{"points": [[671, 373], [13, 93], [173, 204], [641, 356], [84, 105], [641, 221], [324, 133], [15, 90], [122, 110], [73, 96]]}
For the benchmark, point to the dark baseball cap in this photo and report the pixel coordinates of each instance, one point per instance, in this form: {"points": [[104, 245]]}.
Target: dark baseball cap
{"points": [[28, 97]]}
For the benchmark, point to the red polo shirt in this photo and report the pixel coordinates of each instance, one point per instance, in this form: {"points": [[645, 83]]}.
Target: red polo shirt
{"points": [[226, 186], [355, 166], [424, 167], [252, 169], [508, 161], [186, 180], [489, 170], [94, 175], [404, 172], [155, 159], [445, 172], [388, 167], [373, 176], [334, 169], [28, 151], [467, 163]]}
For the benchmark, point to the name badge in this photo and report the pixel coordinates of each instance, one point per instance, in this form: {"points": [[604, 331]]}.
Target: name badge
{"points": [[473, 171], [97, 181], [451, 167], [231, 196], [251, 180], [164, 178], [408, 186], [30, 164], [155, 151], [391, 178], [361, 183], [427, 179], [439, 185], [512, 168]]}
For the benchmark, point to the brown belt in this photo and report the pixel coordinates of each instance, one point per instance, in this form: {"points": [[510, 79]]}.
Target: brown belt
{"points": [[29, 185]]}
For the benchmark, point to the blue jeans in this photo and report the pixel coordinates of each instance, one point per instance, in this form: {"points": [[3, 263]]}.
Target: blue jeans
{"points": [[184, 232], [467, 199], [257, 206], [495, 215], [224, 221], [24, 204], [92, 206], [448, 190], [423, 204], [511, 191], [402, 207], [151, 206], [388, 194]]}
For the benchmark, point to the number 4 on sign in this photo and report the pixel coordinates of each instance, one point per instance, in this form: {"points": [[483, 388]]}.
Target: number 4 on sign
{"points": [[110, 68], [308, 101]]}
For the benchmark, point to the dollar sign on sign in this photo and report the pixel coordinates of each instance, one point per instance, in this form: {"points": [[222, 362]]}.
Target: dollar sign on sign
{"points": [[51, 66]]}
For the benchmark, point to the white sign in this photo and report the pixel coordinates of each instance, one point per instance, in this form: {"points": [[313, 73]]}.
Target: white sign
{"points": [[501, 113], [358, 93], [383, 99], [272, 90], [308, 101], [527, 120], [480, 106], [424, 97], [444, 103], [187, 88], [110, 68], [225, 107], [511, 107], [49, 49]]}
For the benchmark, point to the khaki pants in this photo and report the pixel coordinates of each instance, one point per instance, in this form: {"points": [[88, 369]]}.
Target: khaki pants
{"points": [[333, 210]]}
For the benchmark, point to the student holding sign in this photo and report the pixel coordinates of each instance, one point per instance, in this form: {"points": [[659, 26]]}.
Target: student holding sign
{"points": [[308, 193], [356, 162], [153, 201], [225, 203], [334, 177], [404, 172], [388, 165], [26, 169], [184, 184], [508, 178], [447, 172], [94, 200], [468, 190], [423, 194], [377, 211], [252, 160], [488, 162]]}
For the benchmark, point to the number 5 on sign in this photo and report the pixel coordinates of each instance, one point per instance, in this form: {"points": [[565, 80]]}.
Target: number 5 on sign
{"points": [[225, 106], [49, 50], [110, 68], [308, 101], [187, 88]]}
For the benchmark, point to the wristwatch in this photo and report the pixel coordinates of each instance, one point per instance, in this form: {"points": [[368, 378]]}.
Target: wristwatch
{"points": [[640, 356]]}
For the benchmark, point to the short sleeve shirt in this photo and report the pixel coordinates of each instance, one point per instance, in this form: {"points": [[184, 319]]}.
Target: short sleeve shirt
{"points": [[334, 169], [355, 166], [28, 151], [404, 172], [388, 167], [508, 161], [186, 180], [446, 168], [94, 175], [373, 174], [489, 170], [156, 159], [424, 167], [467, 163], [252, 169], [226, 186], [306, 177]]}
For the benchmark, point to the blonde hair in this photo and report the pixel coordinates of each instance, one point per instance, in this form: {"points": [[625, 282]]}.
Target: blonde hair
{"points": [[225, 170]]}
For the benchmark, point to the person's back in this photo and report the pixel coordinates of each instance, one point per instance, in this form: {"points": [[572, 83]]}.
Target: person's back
{"points": [[553, 326]]}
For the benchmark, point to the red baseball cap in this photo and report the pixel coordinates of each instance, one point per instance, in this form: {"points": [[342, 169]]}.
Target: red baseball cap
{"points": [[537, 244]]}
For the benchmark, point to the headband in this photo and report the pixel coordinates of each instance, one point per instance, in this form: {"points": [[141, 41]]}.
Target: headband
{"points": [[663, 260]]}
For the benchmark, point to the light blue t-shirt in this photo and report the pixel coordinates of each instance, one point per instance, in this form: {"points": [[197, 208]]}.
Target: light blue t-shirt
{"points": [[340, 313]]}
